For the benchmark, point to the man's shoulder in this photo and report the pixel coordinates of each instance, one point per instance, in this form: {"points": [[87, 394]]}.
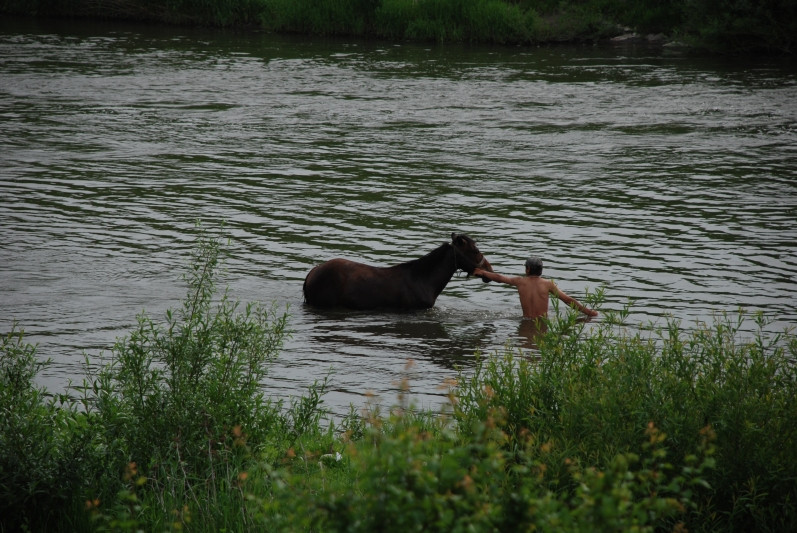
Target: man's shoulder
{"points": [[534, 281], [545, 282]]}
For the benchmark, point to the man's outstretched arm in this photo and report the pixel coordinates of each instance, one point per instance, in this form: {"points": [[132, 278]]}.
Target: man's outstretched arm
{"points": [[493, 276], [572, 302]]}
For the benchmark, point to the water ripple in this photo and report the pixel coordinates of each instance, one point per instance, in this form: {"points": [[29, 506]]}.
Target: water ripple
{"points": [[667, 180]]}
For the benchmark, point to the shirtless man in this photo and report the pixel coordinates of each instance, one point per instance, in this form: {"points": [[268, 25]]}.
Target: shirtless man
{"points": [[533, 290]]}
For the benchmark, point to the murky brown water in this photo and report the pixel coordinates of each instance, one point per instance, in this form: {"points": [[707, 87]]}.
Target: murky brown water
{"points": [[668, 180]]}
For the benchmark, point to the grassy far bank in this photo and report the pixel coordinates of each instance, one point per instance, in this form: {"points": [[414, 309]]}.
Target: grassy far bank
{"points": [[768, 26], [604, 429]]}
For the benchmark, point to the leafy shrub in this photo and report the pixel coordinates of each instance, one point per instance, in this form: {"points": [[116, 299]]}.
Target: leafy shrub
{"points": [[740, 25], [415, 473], [588, 397], [45, 448], [322, 17], [164, 432], [176, 391], [181, 403]]}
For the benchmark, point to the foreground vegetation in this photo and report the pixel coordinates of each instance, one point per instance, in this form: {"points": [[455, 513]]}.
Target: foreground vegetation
{"points": [[720, 25], [602, 429]]}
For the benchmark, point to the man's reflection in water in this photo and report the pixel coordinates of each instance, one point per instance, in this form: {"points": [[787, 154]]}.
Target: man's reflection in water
{"points": [[530, 330]]}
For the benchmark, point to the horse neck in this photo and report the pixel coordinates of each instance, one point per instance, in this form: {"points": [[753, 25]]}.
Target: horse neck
{"points": [[436, 268]]}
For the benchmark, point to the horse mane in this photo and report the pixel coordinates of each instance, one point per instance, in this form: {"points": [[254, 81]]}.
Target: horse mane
{"points": [[423, 263], [441, 255], [427, 262]]}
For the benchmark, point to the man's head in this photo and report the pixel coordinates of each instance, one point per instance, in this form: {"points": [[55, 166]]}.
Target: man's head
{"points": [[534, 266]]}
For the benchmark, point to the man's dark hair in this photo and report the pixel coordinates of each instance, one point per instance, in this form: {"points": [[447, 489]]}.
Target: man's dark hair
{"points": [[534, 266]]}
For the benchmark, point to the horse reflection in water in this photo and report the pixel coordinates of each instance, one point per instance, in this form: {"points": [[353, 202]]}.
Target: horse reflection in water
{"points": [[409, 286]]}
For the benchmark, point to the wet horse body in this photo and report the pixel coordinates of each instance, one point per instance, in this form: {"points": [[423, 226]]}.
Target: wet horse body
{"points": [[412, 285]]}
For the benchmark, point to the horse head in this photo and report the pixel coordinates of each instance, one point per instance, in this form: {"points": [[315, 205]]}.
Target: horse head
{"points": [[467, 255]]}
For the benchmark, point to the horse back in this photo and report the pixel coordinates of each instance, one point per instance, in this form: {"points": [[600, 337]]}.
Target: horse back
{"points": [[344, 283]]}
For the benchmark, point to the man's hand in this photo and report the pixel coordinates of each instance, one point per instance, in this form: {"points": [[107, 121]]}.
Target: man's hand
{"points": [[483, 274]]}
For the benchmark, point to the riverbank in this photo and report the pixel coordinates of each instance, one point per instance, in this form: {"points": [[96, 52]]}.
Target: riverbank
{"points": [[601, 429], [767, 27]]}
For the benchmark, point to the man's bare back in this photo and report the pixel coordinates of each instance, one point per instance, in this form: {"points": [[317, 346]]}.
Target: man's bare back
{"points": [[534, 291]]}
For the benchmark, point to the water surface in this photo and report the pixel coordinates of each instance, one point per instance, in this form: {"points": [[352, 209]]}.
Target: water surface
{"points": [[667, 180]]}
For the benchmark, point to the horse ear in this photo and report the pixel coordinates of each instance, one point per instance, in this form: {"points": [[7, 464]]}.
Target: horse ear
{"points": [[453, 236]]}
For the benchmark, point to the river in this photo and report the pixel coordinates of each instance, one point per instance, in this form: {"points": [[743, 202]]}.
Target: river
{"points": [[666, 180]]}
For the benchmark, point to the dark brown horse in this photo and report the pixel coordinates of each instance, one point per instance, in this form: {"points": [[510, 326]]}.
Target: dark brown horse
{"points": [[412, 285]]}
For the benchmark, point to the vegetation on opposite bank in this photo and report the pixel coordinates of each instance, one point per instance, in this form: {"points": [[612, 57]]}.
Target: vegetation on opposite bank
{"points": [[602, 429], [718, 25]]}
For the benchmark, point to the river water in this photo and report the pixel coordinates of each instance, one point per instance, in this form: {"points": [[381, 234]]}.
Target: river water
{"points": [[667, 180]]}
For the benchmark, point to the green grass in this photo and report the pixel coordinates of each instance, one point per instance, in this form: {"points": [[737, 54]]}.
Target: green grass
{"points": [[604, 428]]}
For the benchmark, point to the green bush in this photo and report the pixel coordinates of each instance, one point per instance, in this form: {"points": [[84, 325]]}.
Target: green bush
{"points": [[589, 397], [495, 21], [490, 21], [164, 432], [644, 16], [320, 17], [46, 446], [181, 403], [178, 389], [740, 25], [415, 473]]}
